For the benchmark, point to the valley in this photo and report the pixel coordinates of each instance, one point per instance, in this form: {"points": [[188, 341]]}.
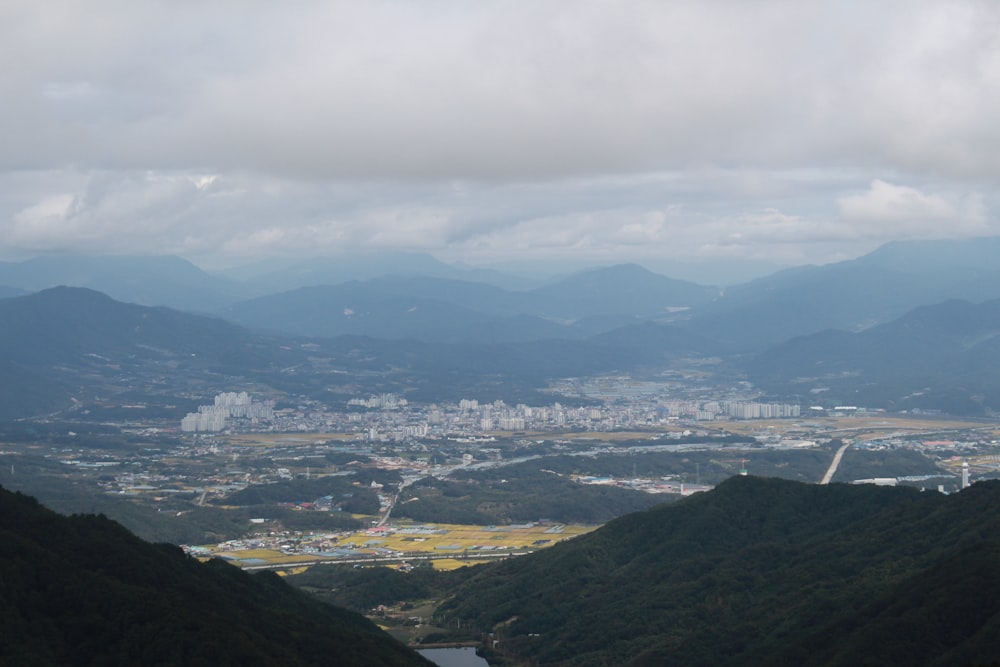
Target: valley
{"points": [[500, 334], [361, 440]]}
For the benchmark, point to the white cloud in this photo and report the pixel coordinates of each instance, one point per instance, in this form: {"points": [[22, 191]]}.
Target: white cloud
{"points": [[497, 89], [494, 129], [54, 207], [885, 202]]}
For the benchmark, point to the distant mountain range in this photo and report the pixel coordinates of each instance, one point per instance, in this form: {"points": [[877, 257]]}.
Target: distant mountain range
{"points": [[413, 295], [282, 275], [758, 572], [151, 281], [69, 346], [852, 295], [945, 357], [82, 590], [426, 331], [72, 346], [446, 310]]}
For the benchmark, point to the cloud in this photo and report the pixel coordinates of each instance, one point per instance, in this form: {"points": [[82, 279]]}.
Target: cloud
{"points": [[448, 89], [490, 130], [885, 202]]}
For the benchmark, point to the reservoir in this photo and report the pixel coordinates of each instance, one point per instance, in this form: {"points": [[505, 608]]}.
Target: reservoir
{"points": [[454, 657]]}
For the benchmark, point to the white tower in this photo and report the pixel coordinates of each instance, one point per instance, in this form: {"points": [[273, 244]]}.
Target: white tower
{"points": [[965, 474]]}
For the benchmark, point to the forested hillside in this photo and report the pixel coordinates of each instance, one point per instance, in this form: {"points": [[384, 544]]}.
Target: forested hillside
{"points": [[82, 590], [759, 571]]}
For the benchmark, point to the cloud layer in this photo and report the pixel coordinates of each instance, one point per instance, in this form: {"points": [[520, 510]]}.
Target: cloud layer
{"points": [[491, 130]]}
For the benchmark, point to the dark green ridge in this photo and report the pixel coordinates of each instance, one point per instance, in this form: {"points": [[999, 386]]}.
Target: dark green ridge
{"points": [[82, 590], [759, 572]]}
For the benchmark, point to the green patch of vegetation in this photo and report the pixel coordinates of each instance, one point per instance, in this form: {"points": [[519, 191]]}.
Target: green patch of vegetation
{"points": [[524, 493], [759, 571], [364, 589], [82, 590]]}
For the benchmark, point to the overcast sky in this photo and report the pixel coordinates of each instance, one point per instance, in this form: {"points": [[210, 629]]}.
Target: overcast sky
{"points": [[497, 130]]}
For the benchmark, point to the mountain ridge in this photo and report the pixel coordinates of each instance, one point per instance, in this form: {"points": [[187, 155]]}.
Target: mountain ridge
{"points": [[83, 590], [949, 352], [758, 571]]}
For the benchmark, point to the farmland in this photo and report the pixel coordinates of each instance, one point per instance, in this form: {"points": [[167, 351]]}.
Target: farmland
{"points": [[446, 546]]}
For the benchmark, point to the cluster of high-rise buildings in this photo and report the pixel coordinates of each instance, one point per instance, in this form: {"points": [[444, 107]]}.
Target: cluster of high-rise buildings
{"points": [[389, 416], [748, 410], [227, 407], [382, 401]]}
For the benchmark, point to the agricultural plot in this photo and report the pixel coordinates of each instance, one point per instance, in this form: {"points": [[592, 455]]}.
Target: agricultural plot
{"points": [[857, 426], [447, 545], [449, 539]]}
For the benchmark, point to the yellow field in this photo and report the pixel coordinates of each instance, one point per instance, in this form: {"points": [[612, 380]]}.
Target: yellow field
{"points": [[449, 564], [450, 539], [285, 439], [450, 545]]}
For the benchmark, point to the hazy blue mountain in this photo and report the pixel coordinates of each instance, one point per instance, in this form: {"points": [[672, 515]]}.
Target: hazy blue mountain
{"points": [[758, 572], [624, 289], [281, 275], [447, 310], [430, 309], [7, 292], [658, 342], [73, 344], [82, 590], [852, 295], [67, 323], [159, 280], [945, 356], [981, 287], [955, 257], [339, 310]]}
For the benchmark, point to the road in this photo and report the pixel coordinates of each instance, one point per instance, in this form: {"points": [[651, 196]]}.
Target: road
{"points": [[385, 560], [832, 470]]}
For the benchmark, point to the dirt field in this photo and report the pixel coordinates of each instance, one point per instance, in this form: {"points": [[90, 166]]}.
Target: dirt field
{"points": [[286, 439], [861, 427]]}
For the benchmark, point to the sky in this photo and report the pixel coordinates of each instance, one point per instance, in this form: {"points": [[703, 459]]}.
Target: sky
{"points": [[497, 132]]}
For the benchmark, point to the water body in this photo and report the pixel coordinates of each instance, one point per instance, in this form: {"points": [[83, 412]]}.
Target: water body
{"points": [[454, 657]]}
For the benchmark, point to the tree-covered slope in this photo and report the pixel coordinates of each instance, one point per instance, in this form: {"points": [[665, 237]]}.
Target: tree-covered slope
{"points": [[758, 571], [516, 494], [82, 590]]}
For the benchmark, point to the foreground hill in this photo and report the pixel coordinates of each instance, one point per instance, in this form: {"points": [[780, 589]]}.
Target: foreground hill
{"points": [[759, 572], [945, 356], [82, 590]]}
